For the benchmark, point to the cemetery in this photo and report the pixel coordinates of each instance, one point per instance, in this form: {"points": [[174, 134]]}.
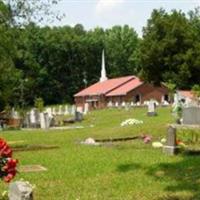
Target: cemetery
{"points": [[61, 167], [99, 100]]}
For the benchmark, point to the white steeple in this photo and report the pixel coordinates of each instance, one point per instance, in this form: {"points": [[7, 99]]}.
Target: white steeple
{"points": [[103, 69]]}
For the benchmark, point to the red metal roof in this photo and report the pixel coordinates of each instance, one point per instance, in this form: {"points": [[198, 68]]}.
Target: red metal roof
{"points": [[127, 87], [186, 93], [105, 86]]}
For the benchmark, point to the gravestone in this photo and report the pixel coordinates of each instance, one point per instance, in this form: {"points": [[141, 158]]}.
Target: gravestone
{"points": [[66, 110], [20, 190], [151, 109], [33, 118], [47, 120], [49, 111], [79, 109], [86, 108], [127, 106], [116, 104], [191, 116], [37, 115], [110, 104], [171, 148], [60, 110], [32, 168], [14, 114], [27, 122], [53, 111], [42, 121], [165, 103], [78, 116], [123, 104], [70, 110], [138, 103], [73, 110], [132, 104]]}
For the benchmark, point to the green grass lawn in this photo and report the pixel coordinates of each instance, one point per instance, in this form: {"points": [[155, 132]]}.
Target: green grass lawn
{"points": [[121, 171]]}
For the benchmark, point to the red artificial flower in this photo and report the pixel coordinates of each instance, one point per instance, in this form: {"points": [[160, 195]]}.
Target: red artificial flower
{"points": [[7, 164], [5, 150], [8, 178], [178, 142]]}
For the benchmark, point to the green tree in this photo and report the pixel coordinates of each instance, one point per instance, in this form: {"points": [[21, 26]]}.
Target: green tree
{"points": [[9, 75], [120, 46], [196, 90], [166, 51]]}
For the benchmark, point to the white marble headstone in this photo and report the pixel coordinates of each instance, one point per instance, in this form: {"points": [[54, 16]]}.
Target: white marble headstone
{"points": [[49, 111], [79, 109], [123, 104], [110, 104], [86, 108], [54, 111], [73, 110], [42, 121], [151, 107], [32, 116], [20, 190], [66, 110]]}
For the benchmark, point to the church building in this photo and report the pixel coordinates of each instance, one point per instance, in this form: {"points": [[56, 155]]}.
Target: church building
{"points": [[119, 91]]}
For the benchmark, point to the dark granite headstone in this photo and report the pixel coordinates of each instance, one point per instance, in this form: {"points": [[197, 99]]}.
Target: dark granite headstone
{"points": [[78, 116]]}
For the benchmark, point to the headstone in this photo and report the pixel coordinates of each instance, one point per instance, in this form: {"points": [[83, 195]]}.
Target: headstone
{"points": [[123, 104], [20, 190], [86, 108], [70, 110], [54, 111], [73, 110], [151, 109], [78, 116], [42, 121], [14, 114], [132, 104], [165, 103], [66, 110], [60, 110], [146, 103], [110, 104], [32, 168], [27, 122], [191, 115], [138, 103], [171, 148], [49, 111], [127, 106], [80, 109], [47, 120], [37, 115], [33, 118], [116, 104]]}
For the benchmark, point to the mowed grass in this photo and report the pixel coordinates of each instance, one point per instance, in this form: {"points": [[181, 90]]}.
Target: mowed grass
{"points": [[120, 171]]}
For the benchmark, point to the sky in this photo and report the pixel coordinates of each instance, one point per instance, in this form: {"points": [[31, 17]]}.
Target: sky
{"points": [[107, 13]]}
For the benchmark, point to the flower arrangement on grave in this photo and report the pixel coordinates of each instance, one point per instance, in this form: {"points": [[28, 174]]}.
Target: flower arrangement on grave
{"points": [[131, 122], [7, 163]]}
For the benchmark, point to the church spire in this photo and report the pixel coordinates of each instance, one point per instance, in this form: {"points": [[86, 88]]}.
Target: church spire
{"points": [[103, 69]]}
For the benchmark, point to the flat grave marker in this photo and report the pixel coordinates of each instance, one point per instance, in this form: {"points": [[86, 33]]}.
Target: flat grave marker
{"points": [[32, 168]]}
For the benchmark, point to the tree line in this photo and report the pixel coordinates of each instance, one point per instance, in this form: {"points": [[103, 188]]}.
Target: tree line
{"points": [[56, 62]]}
